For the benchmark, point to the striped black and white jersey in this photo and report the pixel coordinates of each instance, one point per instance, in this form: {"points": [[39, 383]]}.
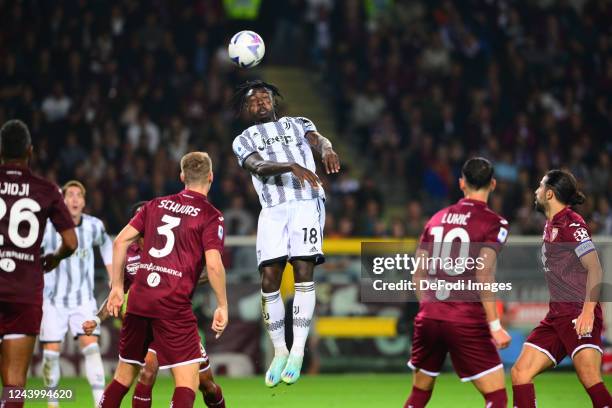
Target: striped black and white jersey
{"points": [[280, 141], [72, 282]]}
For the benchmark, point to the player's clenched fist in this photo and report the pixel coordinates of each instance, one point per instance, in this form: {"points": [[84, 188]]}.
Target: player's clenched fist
{"points": [[501, 337], [115, 301], [219, 321]]}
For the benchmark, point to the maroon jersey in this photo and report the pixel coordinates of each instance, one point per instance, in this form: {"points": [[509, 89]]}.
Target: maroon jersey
{"points": [[177, 230], [566, 239], [26, 202], [468, 223], [132, 262]]}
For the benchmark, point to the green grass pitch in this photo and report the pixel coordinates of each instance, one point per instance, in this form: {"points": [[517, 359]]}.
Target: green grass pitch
{"points": [[556, 390]]}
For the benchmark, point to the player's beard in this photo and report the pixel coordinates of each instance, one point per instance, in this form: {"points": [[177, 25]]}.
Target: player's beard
{"points": [[539, 206]]}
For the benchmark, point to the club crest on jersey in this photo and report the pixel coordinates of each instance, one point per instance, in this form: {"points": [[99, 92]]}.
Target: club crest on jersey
{"points": [[581, 234], [284, 139], [554, 233], [220, 232]]}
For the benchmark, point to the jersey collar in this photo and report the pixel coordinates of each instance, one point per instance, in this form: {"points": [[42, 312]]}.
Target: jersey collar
{"points": [[193, 193], [560, 215], [473, 202], [25, 170]]}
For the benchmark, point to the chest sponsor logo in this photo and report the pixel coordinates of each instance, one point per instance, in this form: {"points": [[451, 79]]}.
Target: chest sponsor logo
{"points": [[284, 139]]}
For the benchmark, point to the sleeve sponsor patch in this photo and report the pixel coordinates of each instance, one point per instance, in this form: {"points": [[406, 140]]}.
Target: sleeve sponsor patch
{"points": [[220, 232], [502, 235], [581, 234], [584, 248]]}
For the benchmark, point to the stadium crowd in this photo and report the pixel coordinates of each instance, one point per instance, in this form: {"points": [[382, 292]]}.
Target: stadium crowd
{"points": [[115, 95]]}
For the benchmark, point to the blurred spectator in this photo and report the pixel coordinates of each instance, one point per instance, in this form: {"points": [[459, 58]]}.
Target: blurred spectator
{"points": [[116, 95], [57, 105], [238, 220]]}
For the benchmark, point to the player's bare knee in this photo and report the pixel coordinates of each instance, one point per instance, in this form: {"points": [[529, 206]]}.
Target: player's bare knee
{"points": [[270, 280], [588, 374], [423, 381], [51, 346], [207, 386], [125, 373], [303, 271], [520, 374], [148, 373]]}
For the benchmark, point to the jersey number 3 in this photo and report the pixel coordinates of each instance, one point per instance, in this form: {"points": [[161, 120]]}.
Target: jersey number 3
{"points": [[170, 223]]}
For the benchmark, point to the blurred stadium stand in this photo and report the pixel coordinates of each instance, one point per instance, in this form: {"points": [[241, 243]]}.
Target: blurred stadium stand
{"points": [[115, 92]]}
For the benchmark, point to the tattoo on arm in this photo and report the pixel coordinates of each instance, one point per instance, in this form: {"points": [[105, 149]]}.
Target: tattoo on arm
{"points": [[318, 142]]}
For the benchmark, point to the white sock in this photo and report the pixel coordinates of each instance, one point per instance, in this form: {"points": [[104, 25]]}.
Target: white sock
{"points": [[94, 370], [273, 311], [51, 373], [303, 309]]}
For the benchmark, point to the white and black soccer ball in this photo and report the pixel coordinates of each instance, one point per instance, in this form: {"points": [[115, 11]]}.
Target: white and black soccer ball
{"points": [[246, 49]]}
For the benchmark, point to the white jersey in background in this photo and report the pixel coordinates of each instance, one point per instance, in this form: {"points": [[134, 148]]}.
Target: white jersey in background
{"points": [[280, 141], [71, 284]]}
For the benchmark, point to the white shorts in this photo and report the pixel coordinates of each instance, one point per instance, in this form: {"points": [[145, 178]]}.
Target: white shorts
{"points": [[291, 230], [56, 320]]}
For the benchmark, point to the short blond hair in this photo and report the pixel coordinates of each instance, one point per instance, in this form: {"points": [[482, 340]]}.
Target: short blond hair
{"points": [[74, 183], [195, 167]]}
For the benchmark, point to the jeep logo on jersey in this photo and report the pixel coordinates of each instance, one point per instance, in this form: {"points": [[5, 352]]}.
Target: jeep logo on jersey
{"points": [[285, 139]]}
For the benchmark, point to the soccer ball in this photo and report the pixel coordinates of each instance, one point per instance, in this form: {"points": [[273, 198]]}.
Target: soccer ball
{"points": [[246, 49]]}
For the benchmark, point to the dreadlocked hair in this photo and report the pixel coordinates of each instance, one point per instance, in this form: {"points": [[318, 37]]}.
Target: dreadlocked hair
{"points": [[242, 90]]}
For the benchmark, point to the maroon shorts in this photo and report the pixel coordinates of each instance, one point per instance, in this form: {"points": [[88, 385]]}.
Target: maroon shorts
{"points": [[18, 319], [557, 338], [177, 341], [471, 347], [204, 365]]}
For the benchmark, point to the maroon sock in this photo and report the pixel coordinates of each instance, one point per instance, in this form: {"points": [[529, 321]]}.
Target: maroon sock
{"points": [[214, 399], [183, 397], [113, 395], [142, 396], [6, 401], [524, 396], [496, 399], [418, 398], [600, 396]]}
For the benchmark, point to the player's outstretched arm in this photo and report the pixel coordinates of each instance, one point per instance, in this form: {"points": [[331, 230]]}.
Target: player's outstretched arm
{"points": [[323, 146], [485, 273], [125, 238], [216, 276], [265, 168], [584, 322], [69, 245]]}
